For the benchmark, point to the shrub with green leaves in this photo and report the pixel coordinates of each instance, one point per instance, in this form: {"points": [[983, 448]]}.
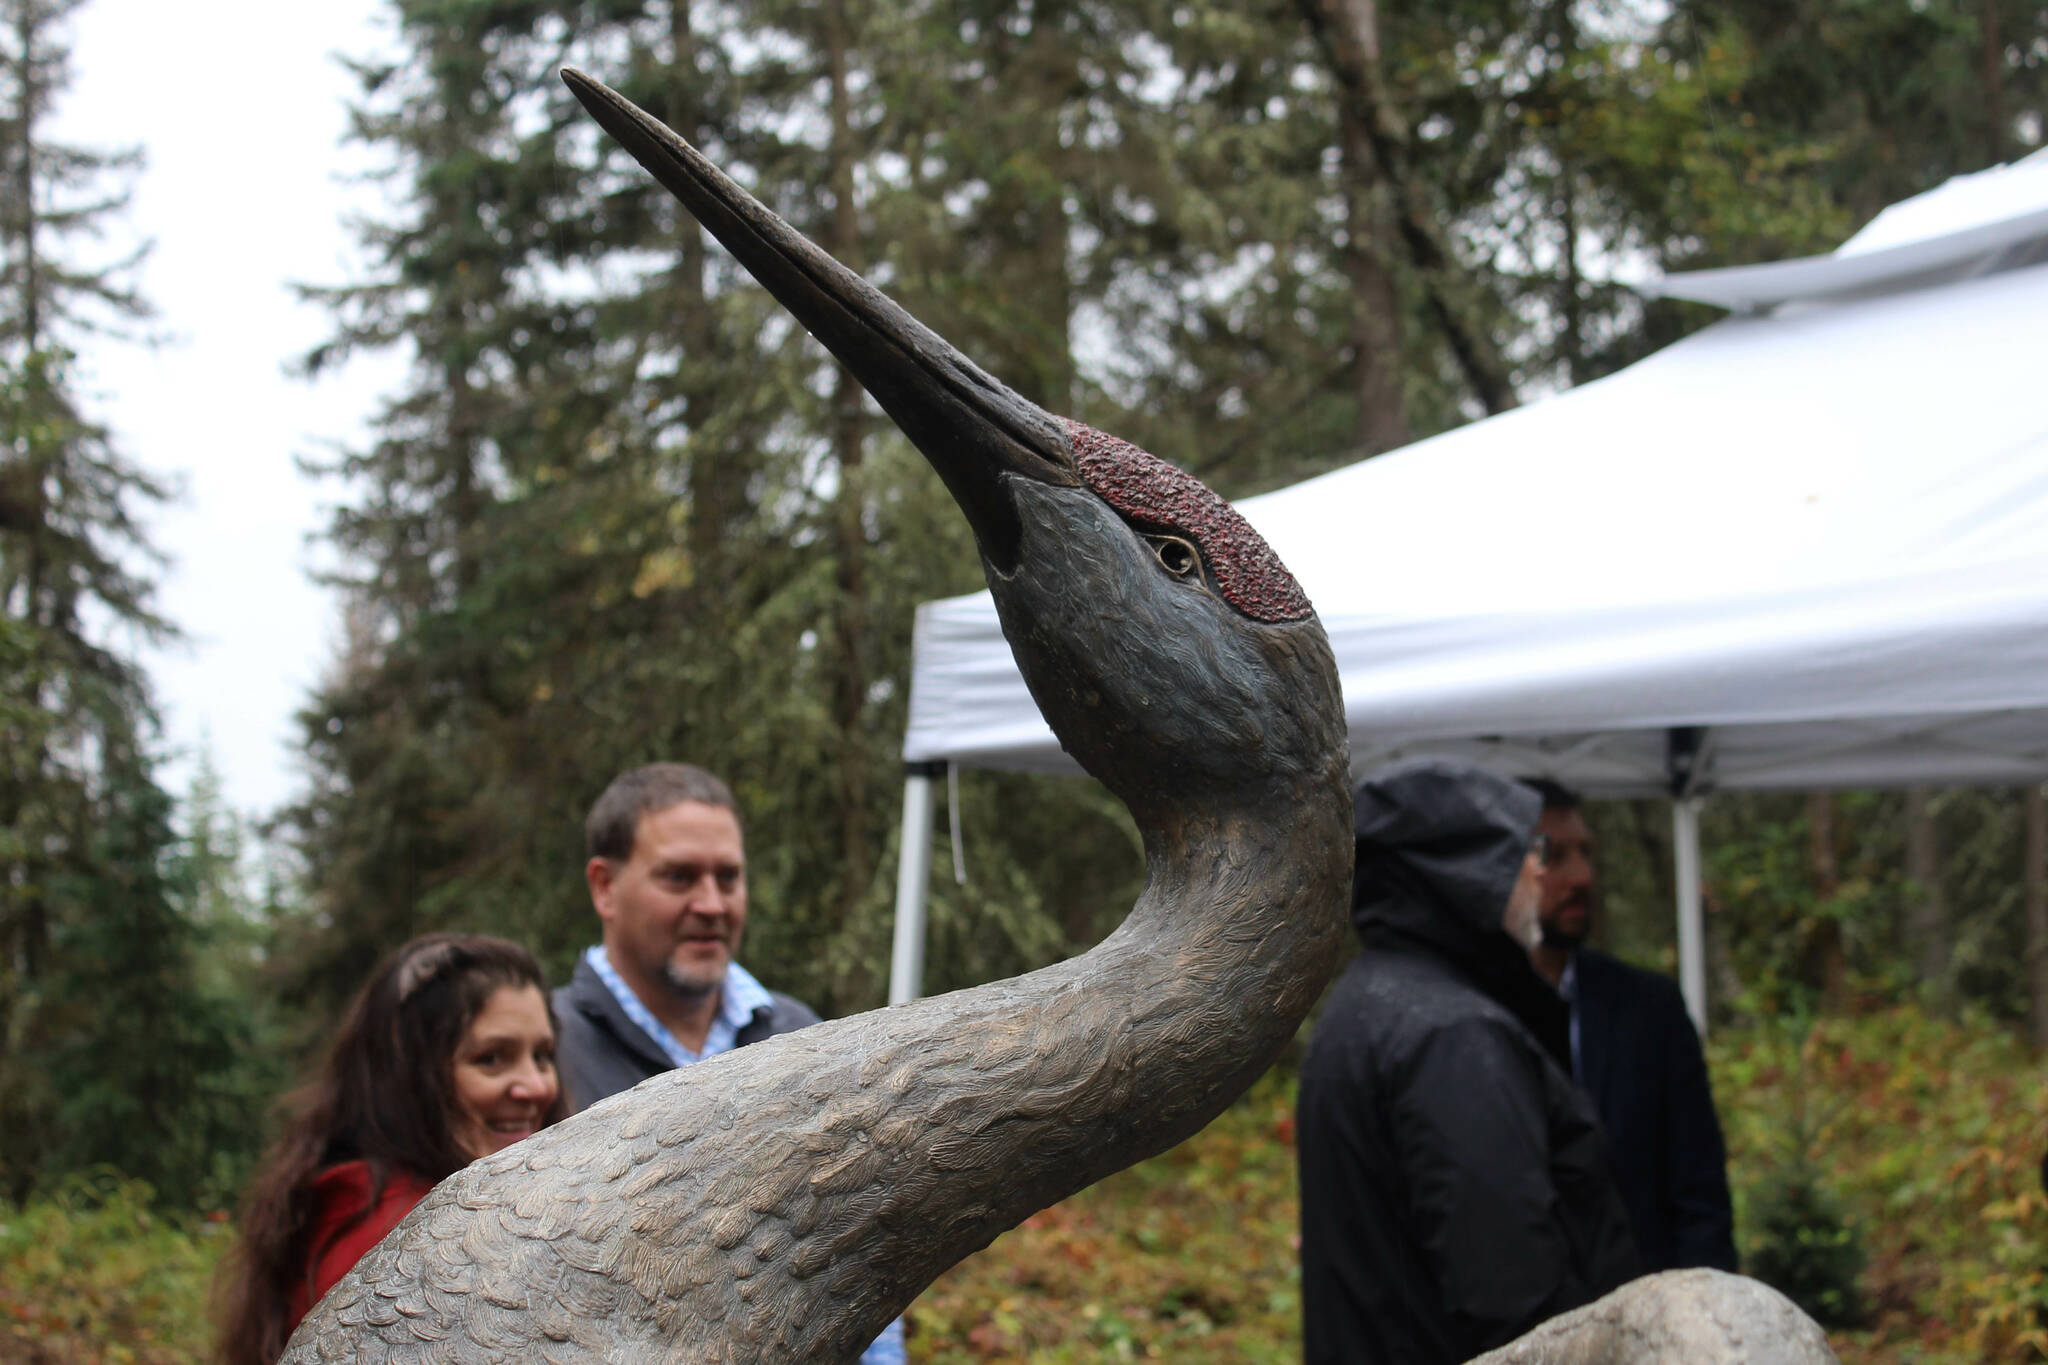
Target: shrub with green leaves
{"points": [[92, 1274], [1929, 1132], [1805, 1246]]}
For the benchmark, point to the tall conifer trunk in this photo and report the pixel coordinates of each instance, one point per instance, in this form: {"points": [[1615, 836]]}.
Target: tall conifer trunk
{"points": [[1342, 27], [24, 121], [1829, 962], [718, 472], [850, 674], [2035, 881], [1927, 930], [1570, 302], [1997, 135], [28, 919], [1028, 217], [22, 227], [1382, 422]]}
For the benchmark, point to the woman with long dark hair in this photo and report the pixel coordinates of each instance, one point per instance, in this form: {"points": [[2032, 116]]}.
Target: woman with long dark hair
{"points": [[445, 1055]]}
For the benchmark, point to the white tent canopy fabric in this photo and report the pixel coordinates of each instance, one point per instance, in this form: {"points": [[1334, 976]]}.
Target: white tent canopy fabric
{"points": [[1798, 549]]}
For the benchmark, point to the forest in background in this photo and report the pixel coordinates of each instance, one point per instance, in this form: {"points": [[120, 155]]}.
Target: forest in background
{"points": [[1934, 1252], [623, 510]]}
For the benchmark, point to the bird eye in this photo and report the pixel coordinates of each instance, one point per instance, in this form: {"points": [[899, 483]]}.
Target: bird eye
{"points": [[1176, 556]]}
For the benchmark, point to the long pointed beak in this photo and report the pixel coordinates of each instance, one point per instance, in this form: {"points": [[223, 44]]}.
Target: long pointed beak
{"points": [[971, 428]]}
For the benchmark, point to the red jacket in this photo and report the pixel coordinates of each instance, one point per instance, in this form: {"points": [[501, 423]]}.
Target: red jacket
{"points": [[342, 1191]]}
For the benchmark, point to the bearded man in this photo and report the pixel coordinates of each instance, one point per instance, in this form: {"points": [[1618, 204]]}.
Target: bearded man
{"points": [[667, 871], [1636, 1055]]}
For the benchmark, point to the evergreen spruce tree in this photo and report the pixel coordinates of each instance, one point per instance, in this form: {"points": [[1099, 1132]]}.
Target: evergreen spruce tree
{"points": [[149, 1063], [68, 500], [468, 525], [625, 511], [1893, 98], [108, 1052], [704, 549]]}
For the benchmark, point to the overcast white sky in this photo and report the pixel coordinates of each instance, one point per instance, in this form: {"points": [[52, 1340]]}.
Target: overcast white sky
{"points": [[239, 107]]}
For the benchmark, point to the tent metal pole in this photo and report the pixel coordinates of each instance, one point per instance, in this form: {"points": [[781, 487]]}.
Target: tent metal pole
{"points": [[913, 874], [1692, 941]]}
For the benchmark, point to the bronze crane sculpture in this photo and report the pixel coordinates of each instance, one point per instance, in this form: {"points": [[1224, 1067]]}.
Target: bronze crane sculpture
{"points": [[786, 1201]]}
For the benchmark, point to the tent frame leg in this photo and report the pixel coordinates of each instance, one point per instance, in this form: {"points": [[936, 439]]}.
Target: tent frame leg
{"points": [[913, 876], [1692, 955]]}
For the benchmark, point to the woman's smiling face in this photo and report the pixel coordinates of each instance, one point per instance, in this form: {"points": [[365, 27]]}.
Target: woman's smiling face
{"points": [[505, 1078]]}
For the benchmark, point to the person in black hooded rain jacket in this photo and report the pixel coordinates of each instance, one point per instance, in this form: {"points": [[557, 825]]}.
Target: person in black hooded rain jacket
{"points": [[1455, 1188]]}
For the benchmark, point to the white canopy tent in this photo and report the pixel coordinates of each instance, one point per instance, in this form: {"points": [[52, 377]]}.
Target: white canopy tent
{"points": [[1804, 547]]}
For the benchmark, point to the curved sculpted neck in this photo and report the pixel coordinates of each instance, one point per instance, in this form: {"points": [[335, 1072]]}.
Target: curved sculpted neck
{"points": [[784, 1202]]}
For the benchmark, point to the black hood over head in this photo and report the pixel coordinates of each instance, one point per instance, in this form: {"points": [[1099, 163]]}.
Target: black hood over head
{"points": [[1439, 844]]}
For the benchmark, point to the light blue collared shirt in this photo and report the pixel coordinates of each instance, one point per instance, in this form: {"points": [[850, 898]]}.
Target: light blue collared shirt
{"points": [[738, 1001]]}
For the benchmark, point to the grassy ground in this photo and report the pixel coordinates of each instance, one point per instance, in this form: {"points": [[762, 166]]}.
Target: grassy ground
{"points": [[1929, 1134], [91, 1275], [1189, 1256], [1932, 1135]]}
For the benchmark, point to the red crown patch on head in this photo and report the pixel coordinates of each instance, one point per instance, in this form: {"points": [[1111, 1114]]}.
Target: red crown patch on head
{"points": [[1154, 496]]}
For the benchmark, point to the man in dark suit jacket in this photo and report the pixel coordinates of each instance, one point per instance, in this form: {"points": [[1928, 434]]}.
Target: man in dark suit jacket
{"points": [[1636, 1054]]}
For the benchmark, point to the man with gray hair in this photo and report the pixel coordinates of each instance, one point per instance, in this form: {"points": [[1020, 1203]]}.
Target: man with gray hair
{"points": [[667, 871]]}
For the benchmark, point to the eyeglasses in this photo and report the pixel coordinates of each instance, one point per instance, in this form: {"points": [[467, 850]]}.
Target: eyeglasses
{"points": [[1542, 850]]}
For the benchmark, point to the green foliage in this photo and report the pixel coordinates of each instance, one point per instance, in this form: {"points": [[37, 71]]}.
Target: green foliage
{"points": [[92, 1273], [114, 1052], [1768, 917], [624, 511], [1189, 1256], [1927, 1136], [1982, 839], [657, 492], [1779, 915], [151, 1071], [1930, 1134], [1804, 1246], [1801, 1239], [1898, 96]]}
